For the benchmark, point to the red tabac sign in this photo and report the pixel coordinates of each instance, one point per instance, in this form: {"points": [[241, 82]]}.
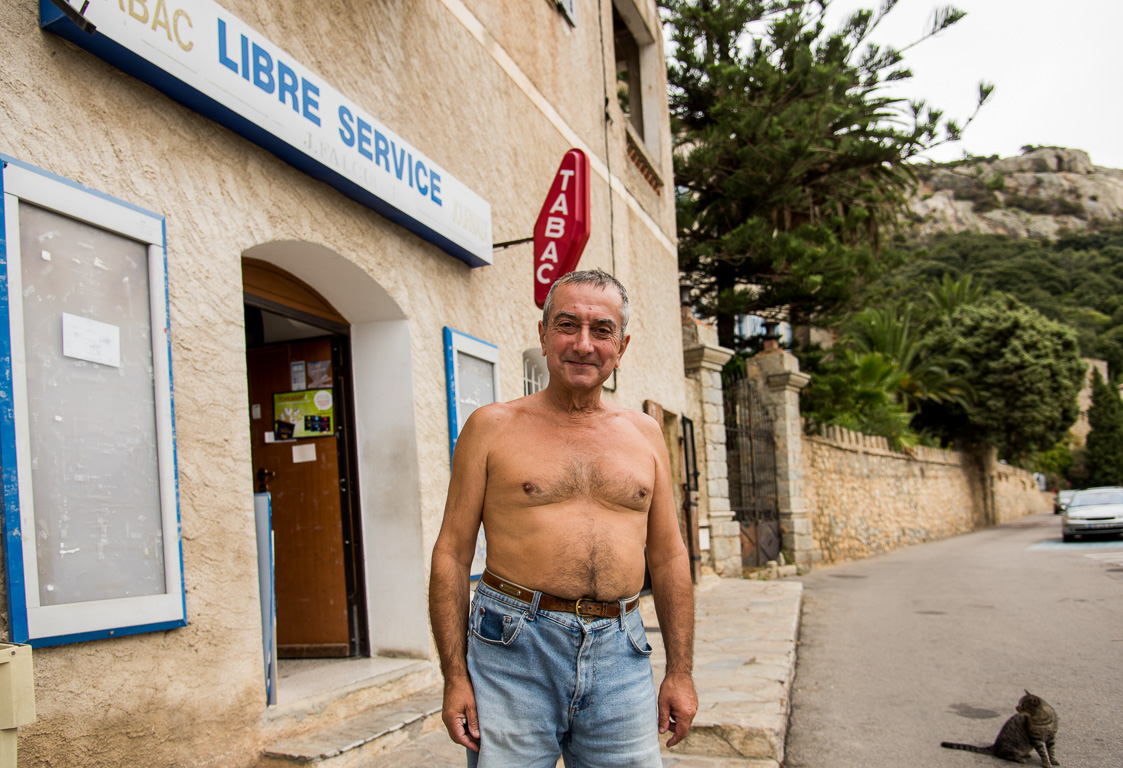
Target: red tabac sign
{"points": [[563, 224]]}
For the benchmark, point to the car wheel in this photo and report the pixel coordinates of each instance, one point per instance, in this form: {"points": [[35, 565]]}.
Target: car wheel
{"points": [[1068, 537]]}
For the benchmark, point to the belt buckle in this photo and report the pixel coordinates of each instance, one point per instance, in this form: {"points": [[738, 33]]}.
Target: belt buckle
{"points": [[577, 609]]}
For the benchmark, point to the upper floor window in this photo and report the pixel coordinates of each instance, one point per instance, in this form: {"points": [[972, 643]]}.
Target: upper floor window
{"points": [[629, 87], [640, 94]]}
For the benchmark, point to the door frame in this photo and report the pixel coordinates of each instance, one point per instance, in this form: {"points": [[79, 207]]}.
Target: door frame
{"points": [[385, 412], [353, 560]]}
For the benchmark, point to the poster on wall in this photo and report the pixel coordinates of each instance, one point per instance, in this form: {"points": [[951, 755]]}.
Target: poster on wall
{"points": [[308, 413]]}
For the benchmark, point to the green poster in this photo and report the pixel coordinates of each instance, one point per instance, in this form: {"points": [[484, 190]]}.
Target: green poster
{"points": [[309, 412]]}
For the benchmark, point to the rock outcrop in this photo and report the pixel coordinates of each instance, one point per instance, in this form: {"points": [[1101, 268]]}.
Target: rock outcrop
{"points": [[1039, 194]]}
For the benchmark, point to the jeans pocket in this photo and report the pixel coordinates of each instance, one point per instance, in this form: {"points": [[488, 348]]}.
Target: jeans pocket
{"points": [[499, 627], [637, 636]]}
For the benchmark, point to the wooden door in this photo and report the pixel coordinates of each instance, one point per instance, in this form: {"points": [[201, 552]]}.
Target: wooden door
{"points": [[303, 479]]}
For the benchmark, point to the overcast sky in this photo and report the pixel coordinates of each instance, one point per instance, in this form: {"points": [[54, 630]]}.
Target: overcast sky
{"points": [[1057, 67]]}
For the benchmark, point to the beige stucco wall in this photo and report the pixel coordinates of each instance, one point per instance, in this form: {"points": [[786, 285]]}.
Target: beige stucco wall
{"points": [[866, 499], [494, 92]]}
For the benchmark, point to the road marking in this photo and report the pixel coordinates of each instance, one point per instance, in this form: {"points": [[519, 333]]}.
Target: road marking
{"points": [[1108, 558]]}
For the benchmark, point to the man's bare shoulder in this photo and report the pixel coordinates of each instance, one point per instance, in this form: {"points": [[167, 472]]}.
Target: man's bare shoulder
{"points": [[644, 422], [501, 416], [649, 429]]}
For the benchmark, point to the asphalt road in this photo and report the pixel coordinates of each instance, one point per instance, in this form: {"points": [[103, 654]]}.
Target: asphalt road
{"points": [[937, 642]]}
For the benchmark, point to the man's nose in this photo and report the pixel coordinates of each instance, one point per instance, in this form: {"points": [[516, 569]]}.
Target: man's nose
{"points": [[584, 340]]}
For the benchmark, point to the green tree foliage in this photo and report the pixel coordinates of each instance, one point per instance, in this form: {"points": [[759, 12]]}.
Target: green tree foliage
{"points": [[1024, 369], [880, 373], [790, 158], [1076, 279], [948, 295], [858, 391], [1103, 451], [1056, 464], [925, 373]]}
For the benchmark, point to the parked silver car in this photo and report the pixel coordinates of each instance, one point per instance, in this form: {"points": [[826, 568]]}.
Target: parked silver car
{"points": [[1093, 511], [1061, 501]]}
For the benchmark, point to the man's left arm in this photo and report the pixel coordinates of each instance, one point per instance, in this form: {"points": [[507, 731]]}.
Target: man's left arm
{"points": [[669, 564]]}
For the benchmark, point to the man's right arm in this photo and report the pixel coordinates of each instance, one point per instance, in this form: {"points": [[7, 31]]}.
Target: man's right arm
{"points": [[449, 579]]}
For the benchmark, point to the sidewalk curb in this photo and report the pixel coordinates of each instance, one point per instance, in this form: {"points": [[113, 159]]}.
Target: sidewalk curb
{"points": [[745, 654]]}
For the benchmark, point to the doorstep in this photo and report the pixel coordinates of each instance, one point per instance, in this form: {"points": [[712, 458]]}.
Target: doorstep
{"points": [[333, 708]]}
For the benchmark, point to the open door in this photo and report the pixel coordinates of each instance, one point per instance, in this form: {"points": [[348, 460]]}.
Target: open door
{"points": [[302, 477], [680, 447], [299, 395]]}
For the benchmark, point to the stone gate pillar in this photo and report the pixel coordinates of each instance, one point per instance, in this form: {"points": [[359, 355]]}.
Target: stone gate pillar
{"points": [[777, 375], [703, 359]]}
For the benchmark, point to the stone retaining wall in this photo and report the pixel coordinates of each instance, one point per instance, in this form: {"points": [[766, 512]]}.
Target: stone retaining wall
{"points": [[866, 499], [1017, 495]]}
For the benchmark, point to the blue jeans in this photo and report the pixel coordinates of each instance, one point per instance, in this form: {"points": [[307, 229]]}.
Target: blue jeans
{"points": [[550, 683]]}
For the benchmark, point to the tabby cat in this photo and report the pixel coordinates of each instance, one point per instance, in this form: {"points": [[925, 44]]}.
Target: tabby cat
{"points": [[1034, 727]]}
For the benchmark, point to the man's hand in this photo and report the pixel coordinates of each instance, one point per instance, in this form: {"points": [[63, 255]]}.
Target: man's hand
{"points": [[459, 713], [678, 703]]}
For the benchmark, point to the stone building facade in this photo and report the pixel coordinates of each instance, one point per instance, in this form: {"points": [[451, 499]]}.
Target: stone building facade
{"points": [[315, 190]]}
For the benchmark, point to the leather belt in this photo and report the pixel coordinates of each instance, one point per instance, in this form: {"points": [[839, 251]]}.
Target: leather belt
{"points": [[583, 607]]}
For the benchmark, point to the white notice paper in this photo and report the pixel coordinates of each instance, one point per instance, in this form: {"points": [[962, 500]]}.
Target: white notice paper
{"points": [[85, 339], [303, 453]]}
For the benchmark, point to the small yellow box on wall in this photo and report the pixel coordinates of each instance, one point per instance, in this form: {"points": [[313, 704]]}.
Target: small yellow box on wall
{"points": [[17, 686]]}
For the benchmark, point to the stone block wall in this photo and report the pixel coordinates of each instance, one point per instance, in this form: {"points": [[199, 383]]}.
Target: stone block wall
{"points": [[866, 499], [1016, 495], [703, 359]]}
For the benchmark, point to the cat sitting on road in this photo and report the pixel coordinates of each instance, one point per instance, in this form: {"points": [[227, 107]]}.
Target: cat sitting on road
{"points": [[1034, 727]]}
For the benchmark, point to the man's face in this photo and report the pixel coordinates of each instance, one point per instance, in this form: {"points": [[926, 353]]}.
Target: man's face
{"points": [[583, 343]]}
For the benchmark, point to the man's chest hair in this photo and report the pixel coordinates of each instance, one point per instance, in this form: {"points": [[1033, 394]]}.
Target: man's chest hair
{"points": [[624, 480]]}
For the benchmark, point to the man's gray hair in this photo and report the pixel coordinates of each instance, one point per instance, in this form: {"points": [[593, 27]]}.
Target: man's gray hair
{"points": [[598, 279]]}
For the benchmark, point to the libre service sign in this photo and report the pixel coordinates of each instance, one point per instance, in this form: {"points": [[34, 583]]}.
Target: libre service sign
{"points": [[208, 59]]}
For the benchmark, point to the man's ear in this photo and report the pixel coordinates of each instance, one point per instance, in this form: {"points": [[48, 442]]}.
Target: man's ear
{"points": [[542, 337], [623, 348]]}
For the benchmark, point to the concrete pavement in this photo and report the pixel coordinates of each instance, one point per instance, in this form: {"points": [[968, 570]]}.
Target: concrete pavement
{"points": [[745, 653]]}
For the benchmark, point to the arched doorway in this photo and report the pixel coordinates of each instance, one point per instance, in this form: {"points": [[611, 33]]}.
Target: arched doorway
{"points": [[388, 566], [297, 348]]}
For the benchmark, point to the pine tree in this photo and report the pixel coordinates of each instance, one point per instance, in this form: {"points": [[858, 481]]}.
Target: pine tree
{"points": [[1103, 451], [790, 159]]}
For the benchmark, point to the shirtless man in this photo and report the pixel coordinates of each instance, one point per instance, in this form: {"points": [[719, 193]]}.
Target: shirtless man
{"points": [[571, 489]]}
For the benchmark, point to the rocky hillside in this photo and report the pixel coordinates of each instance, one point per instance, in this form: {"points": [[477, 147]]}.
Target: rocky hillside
{"points": [[1038, 194]]}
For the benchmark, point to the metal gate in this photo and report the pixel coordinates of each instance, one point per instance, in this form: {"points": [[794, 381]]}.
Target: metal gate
{"points": [[750, 450]]}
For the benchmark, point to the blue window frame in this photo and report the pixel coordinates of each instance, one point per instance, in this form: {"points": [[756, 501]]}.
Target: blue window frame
{"points": [[472, 374], [87, 442]]}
